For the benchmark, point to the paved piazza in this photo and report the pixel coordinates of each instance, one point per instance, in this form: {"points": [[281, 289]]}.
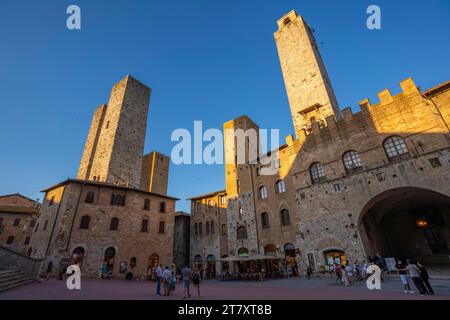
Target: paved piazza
{"points": [[283, 289]]}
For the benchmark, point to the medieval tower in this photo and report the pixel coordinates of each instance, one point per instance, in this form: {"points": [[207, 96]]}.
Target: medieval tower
{"points": [[114, 148], [310, 94]]}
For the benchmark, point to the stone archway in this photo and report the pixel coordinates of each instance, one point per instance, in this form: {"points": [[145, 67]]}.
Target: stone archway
{"points": [[407, 222]]}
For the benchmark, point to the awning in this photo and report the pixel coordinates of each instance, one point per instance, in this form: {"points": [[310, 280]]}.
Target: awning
{"points": [[250, 258]]}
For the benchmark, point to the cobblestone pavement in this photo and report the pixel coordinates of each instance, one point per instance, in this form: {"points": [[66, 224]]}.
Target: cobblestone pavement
{"points": [[282, 289]]}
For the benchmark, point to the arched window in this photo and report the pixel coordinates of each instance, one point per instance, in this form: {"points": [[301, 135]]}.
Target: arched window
{"points": [[198, 258], [200, 229], [270, 250], [144, 225], [317, 173], [10, 240], [16, 222], [241, 233], [285, 219], [162, 206], [281, 186], [243, 252], [263, 192], [265, 220], [212, 227], [196, 229], [208, 231], [352, 161], [89, 197], [147, 204], [286, 21], [84, 223], [114, 225], [210, 204], [396, 148]]}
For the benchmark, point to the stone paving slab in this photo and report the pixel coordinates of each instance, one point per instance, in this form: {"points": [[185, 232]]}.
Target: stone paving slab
{"points": [[283, 289]]}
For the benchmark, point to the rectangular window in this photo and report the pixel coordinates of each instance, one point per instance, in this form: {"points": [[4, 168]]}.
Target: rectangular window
{"points": [[117, 200], [161, 227], [337, 187], [223, 200], [435, 162], [381, 176]]}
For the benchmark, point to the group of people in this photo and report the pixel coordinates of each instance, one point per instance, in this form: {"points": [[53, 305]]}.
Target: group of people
{"points": [[168, 278], [410, 273], [415, 273], [350, 273]]}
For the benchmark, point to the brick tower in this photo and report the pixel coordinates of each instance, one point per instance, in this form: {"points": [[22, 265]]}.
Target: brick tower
{"points": [[115, 144], [310, 94]]}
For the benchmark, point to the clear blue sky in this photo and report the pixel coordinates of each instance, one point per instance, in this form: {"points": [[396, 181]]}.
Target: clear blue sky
{"points": [[206, 60]]}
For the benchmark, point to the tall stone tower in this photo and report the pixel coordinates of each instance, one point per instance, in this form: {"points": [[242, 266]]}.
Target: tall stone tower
{"points": [[310, 94], [115, 144], [240, 177], [155, 173]]}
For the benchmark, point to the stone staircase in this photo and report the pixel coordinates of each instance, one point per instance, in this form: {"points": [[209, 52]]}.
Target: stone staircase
{"points": [[13, 278]]}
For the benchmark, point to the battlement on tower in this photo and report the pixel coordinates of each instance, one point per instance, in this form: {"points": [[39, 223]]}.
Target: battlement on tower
{"points": [[381, 117]]}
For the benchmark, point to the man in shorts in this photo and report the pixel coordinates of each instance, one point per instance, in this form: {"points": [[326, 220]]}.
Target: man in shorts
{"points": [[186, 276]]}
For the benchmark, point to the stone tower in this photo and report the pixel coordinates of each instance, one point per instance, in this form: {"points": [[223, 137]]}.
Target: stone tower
{"points": [[155, 173], [240, 177], [310, 94], [115, 144]]}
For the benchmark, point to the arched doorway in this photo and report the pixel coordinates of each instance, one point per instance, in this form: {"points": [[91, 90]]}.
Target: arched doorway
{"points": [[77, 256], [289, 252], [407, 223], [334, 256], [153, 262], [108, 263]]}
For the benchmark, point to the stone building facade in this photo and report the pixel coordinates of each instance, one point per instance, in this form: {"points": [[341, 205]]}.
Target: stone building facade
{"points": [[351, 184], [116, 217], [18, 216], [181, 241], [208, 231]]}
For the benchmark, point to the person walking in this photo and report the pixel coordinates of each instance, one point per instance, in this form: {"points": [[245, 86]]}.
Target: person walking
{"points": [[186, 276], [414, 273], [158, 274], [165, 277], [404, 276], [196, 280], [308, 272], [345, 278], [349, 272], [337, 270], [425, 279]]}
